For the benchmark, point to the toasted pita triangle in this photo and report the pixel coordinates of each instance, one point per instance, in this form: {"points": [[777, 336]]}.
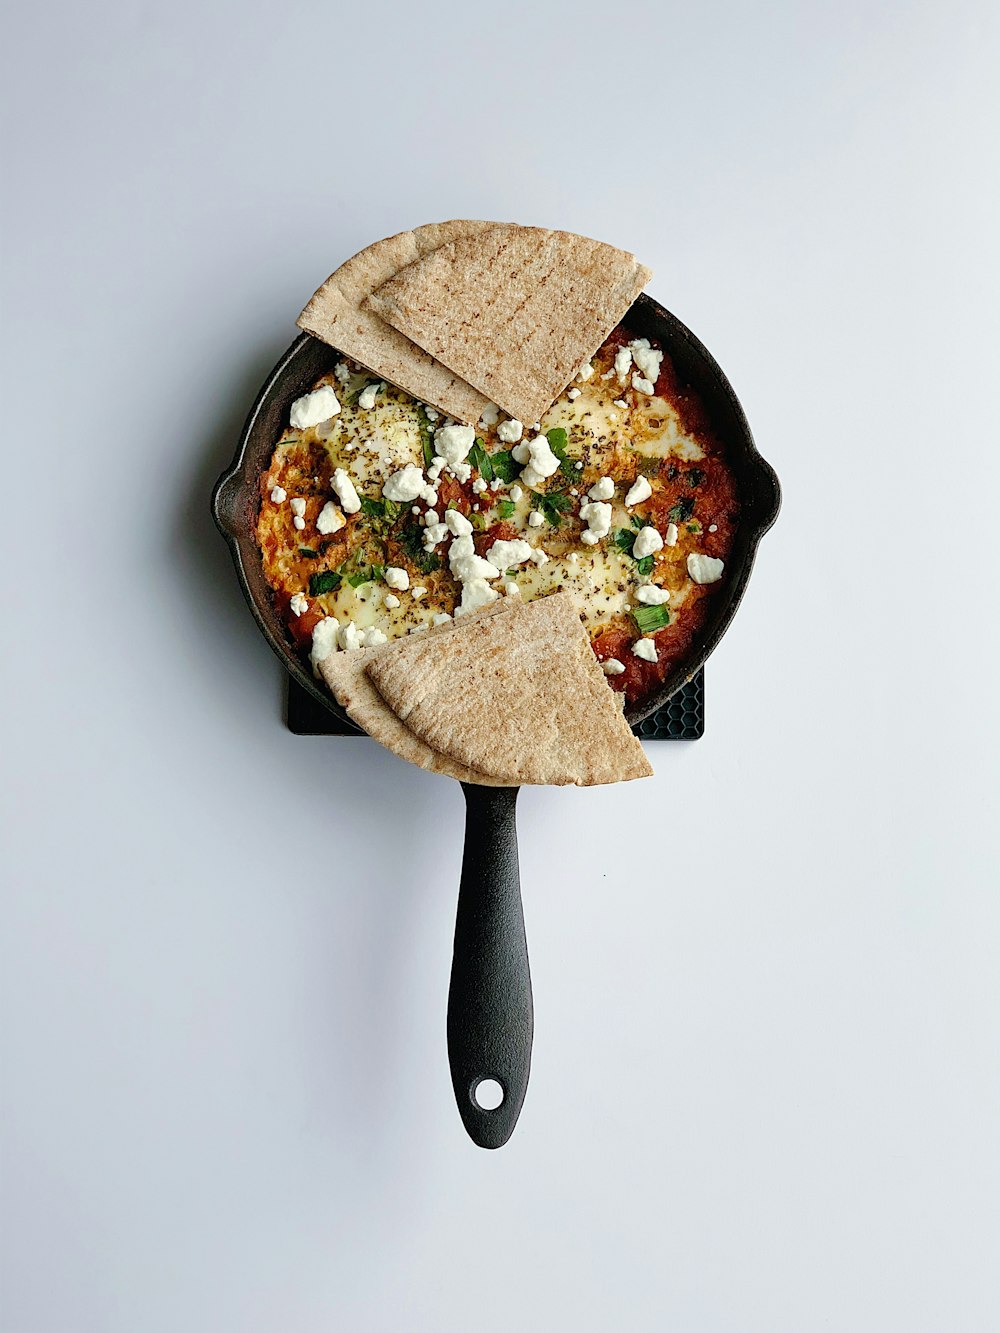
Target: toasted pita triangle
{"points": [[344, 673], [335, 315], [519, 697], [513, 310]]}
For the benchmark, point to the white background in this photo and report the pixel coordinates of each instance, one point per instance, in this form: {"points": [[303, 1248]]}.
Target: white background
{"points": [[765, 1095]]}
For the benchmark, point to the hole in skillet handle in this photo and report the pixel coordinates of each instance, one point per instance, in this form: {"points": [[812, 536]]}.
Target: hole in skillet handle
{"points": [[488, 1094]]}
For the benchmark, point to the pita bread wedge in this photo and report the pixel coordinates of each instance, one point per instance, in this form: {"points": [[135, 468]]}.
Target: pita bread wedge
{"points": [[335, 315], [513, 310], [344, 674], [519, 697]]}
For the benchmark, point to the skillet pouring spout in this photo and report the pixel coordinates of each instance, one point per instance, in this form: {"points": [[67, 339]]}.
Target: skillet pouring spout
{"points": [[490, 1011]]}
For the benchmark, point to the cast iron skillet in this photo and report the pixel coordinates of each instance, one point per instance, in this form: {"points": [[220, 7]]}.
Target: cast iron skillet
{"points": [[490, 1017]]}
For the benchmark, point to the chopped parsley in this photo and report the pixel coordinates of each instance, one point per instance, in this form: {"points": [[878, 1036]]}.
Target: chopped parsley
{"points": [[648, 619], [506, 508], [553, 505], [557, 439], [682, 510], [694, 527], [308, 552], [625, 541], [695, 476], [327, 580], [372, 508], [504, 466], [411, 539], [480, 460], [366, 574]]}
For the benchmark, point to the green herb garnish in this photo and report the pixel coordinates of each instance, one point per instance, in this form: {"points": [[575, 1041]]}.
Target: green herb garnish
{"points": [[411, 539], [506, 508], [308, 552], [648, 619], [638, 521], [372, 508], [327, 580], [682, 510], [478, 520], [480, 460], [504, 466], [694, 527], [553, 505], [557, 439], [694, 476], [625, 541]]}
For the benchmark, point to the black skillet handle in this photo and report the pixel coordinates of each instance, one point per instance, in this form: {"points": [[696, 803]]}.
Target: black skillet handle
{"points": [[490, 1015]]}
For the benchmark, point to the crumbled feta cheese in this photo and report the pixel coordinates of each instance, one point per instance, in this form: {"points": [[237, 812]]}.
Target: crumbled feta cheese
{"points": [[453, 443], [431, 413], [640, 490], [324, 641], [713, 527], [297, 506], [578, 467], [585, 371], [670, 536], [475, 509], [612, 667], [573, 395], [417, 593], [496, 483], [704, 568], [404, 485], [397, 578], [298, 522], [350, 501], [434, 534], [349, 637], [431, 517], [330, 519], [535, 519], [475, 593], [298, 604], [597, 517], [417, 629], [620, 402], [647, 542], [539, 556], [541, 461], [342, 371], [650, 595], [623, 359], [516, 493], [429, 495], [367, 396], [374, 638], [458, 525], [608, 374], [647, 361], [511, 588], [603, 489], [490, 416], [440, 618], [642, 385], [391, 601], [479, 486], [414, 509], [646, 649], [505, 555], [312, 408], [278, 494], [537, 426]]}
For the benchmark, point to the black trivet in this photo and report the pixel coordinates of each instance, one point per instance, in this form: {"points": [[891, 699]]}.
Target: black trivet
{"points": [[681, 719]]}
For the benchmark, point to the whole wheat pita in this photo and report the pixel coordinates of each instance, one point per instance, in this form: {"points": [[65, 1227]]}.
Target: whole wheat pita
{"points": [[336, 315], [512, 310], [518, 697]]}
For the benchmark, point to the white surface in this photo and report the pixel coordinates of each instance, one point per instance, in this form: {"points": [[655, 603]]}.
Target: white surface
{"points": [[765, 1091]]}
